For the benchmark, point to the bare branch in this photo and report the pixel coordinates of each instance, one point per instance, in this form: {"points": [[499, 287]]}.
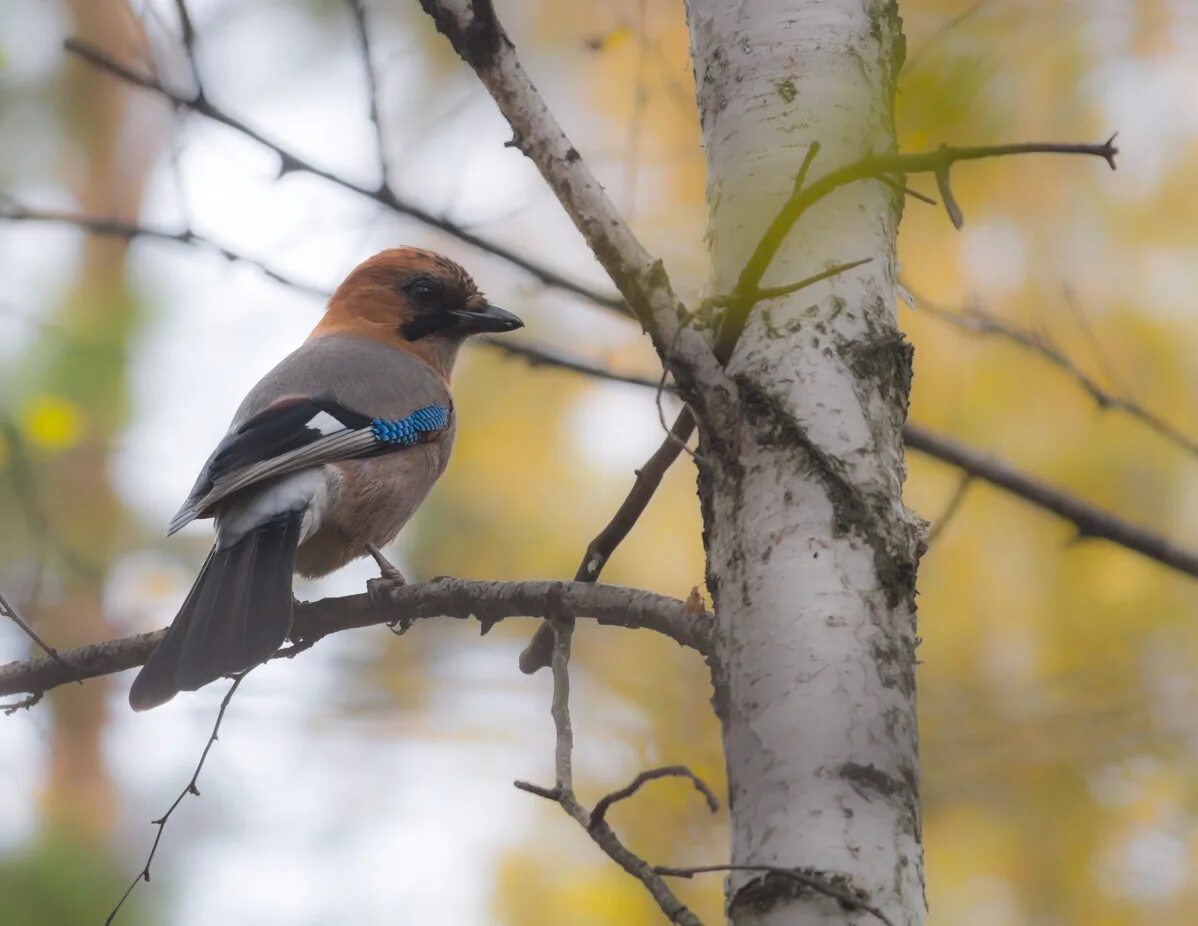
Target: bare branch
{"points": [[23, 704], [951, 507], [361, 27], [543, 355], [648, 478], [563, 750], [777, 292], [14, 211], [1091, 522], [808, 878], [562, 793], [477, 36], [9, 611], [489, 602], [873, 167], [669, 771], [289, 161], [191, 788], [870, 167], [187, 33], [987, 324]]}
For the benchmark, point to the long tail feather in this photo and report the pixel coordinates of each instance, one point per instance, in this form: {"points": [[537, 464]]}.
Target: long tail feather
{"points": [[237, 614]]}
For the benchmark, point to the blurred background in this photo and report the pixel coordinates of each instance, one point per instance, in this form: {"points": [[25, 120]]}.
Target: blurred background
{"points": [[369, 780]]}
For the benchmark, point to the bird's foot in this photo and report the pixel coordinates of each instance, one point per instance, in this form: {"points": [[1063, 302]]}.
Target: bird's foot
{"points": [[387, 569], [389, 578]]}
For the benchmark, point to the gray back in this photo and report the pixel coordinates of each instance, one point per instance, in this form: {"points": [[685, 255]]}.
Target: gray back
{"points": [[363, 375]]}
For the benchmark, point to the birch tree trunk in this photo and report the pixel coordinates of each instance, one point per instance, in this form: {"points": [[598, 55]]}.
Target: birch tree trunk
{"points": [[811, 554]]}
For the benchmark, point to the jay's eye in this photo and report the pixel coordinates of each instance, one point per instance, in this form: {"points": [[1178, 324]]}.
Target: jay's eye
{"points": [[423, 293]]}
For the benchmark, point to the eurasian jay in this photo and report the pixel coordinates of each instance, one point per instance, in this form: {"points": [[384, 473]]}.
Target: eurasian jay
{"points": [[326, 459]]}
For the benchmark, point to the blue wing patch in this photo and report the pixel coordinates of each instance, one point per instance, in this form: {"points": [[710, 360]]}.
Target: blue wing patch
{"points": [[297, 434], [407, 431]]}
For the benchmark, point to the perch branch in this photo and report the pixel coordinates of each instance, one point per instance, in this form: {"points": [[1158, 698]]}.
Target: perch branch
{"points": [[489, 602]]}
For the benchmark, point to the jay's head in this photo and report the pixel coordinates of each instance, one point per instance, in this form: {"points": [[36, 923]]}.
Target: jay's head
{"points": [[416, 299]]}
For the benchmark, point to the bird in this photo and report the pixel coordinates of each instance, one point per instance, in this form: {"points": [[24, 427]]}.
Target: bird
{"points": [[326, 459]]}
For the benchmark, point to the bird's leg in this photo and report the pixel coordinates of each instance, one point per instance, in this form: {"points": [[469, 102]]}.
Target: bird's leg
{"points": [[389, 577], [387, 569]]}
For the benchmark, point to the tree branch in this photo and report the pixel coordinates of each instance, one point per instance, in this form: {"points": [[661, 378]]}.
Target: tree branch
{"points": [[190, 788], [289, 161], [362, 30], [14, 211], [9, 611], [648, 478], [668, 771], [874, 167], [562, 793], [476, 34], [489, 602], [977, 321], [804, 877], [1090, 521]]}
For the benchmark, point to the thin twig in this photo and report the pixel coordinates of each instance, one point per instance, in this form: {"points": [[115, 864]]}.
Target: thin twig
{"points": [[537, 355], [669, 771], [980, 322], [289, 161], [187, 33], [873, 167], [951, 507], [807, 879], [903, 164], [537, 653], [906, 190], [13, 211], [10, 611], [563, 750], [361, 28], [562, 793], [22, 705], [777, 292], [191, 788]]}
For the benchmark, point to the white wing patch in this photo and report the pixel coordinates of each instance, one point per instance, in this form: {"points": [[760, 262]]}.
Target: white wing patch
{"points": [[325, 423]]}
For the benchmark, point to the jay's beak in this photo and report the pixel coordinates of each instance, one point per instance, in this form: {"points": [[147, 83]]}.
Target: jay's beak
{"points": [[489, 318]]}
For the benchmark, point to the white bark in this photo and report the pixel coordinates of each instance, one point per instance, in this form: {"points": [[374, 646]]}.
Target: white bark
{"points": [[811, 554]]}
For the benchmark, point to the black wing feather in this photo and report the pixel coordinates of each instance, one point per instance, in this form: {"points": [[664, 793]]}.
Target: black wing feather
{"points": [[279, 433]]}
